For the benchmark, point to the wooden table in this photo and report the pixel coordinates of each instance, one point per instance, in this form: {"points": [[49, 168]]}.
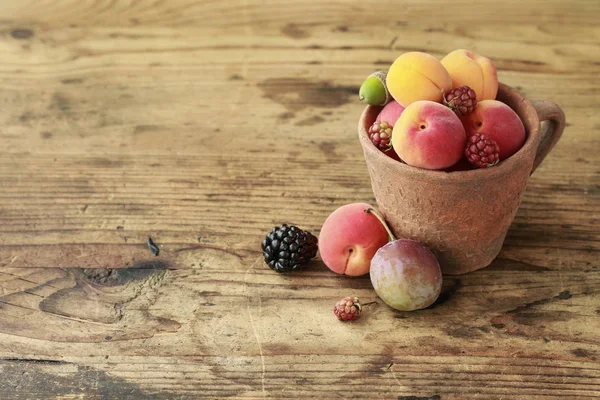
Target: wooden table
{"points": [[203, 124]]}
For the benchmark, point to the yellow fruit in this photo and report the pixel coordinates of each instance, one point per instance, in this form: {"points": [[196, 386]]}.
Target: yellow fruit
{"points": [[417, 76]]}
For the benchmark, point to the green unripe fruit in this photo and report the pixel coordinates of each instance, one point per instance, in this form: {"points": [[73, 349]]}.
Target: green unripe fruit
{"points": [[374, 91]]}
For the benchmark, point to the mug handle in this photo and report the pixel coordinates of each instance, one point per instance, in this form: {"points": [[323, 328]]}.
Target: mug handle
{"points": [[548, 110]]}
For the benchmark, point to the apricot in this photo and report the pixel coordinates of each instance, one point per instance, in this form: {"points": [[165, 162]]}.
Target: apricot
{"points": [[429, 135], [417, 76], [470, 69], [349, 238], [497, 121]]}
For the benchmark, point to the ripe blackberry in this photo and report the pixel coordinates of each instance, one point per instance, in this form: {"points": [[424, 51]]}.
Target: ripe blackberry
{"points": [[482, 151], [461, 100], [286, 248]]}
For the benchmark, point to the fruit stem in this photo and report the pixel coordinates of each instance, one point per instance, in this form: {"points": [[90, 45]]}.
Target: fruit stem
{"points": [[385, 225]]}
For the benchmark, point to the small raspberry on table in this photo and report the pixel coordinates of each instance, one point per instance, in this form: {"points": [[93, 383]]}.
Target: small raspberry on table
{"points": [[347, 309]]}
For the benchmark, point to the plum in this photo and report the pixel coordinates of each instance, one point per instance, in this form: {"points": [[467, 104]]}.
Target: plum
{"points": [[405, 273]]}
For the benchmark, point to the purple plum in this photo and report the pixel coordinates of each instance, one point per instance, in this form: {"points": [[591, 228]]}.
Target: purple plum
{"points": [[405, 273]]}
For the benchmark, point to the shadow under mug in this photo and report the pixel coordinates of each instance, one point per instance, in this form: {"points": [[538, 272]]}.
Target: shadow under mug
{"points": [[463, 216]]}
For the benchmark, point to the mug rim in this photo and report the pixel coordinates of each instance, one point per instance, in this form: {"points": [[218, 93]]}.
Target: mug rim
{"points": [[523, 157]]}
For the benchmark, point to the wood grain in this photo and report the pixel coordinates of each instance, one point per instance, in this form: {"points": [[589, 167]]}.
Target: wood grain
{"points": [[202, 125]]}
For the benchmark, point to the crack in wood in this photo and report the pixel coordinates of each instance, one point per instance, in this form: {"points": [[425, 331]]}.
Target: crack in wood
{"points": [[35, 361], [564, 295]]}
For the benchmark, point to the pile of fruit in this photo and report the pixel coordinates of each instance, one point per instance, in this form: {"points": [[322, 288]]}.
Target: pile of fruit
{"points": [[355, 240], [437, 116], [442, 115]]}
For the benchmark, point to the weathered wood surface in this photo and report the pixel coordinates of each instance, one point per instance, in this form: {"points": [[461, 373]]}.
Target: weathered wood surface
{"points": [[203, 124]]}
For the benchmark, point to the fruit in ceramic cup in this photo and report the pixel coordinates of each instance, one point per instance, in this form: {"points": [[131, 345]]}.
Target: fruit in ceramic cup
{"points": [[349, 238], [386, 119], [405, 273], [380, 134], [481, 151], [499, 122], [429, 135], [390, 113], [462, 100], [417, 76], [471, 69]]}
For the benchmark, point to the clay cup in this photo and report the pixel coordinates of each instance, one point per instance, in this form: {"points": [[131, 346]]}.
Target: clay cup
{"points": [[463, 216]]}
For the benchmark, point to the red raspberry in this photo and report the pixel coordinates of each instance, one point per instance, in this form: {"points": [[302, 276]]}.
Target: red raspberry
{"points": [[461, 100], [380, 134], [347, 309], [482, 151]]}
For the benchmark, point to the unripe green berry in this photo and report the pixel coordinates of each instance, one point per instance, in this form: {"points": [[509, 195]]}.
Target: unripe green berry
{"points": [[373, 91]]}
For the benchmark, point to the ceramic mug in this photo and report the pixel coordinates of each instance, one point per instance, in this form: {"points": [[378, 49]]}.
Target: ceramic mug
{"points": [[461, 216]]}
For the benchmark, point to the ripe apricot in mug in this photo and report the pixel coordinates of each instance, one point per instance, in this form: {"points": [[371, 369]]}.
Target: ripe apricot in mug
{"points": [[470, 69], [417, 76], [499, 122], [429, 135]]}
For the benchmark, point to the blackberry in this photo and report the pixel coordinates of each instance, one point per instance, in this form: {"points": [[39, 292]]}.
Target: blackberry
{"points": [[286, 248], [482, 151], [461, 100]]}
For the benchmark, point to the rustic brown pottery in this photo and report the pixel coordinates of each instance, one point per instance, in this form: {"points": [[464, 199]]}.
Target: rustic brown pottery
{"points": [[462, 216]]}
